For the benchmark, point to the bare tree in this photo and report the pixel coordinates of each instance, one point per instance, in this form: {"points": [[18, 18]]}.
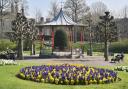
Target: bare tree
{"points": [[19, 4], [38, 15], [54, 9], [97, 9], [122, 23], [4, 4], [124, 12], [76, 9], [8, 11]]}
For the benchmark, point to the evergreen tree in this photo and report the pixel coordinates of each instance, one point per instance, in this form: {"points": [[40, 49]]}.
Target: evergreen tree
{"points": [[60, 40]]}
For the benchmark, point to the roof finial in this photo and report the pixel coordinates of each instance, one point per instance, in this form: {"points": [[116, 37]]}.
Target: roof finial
{"points": [[62, 4], [22, 9]]}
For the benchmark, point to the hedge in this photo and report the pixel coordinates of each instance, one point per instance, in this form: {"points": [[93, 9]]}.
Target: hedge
{"points": [[118, 47]]}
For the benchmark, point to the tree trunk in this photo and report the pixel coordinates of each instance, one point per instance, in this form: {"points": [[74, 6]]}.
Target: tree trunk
{"points": [[34, 51], [90, 35], [20, 49], [1, 21], [33, 48], [106, 51]]}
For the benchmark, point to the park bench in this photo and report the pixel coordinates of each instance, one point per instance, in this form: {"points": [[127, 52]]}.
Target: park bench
{"points": [[11, 55], [118, 58]]}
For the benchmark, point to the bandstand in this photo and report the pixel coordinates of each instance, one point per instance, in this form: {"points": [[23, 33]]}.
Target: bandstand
{"points": [[64, 22]]}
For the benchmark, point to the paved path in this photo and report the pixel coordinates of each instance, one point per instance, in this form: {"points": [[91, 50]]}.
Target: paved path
{"points": [[87, 60]]}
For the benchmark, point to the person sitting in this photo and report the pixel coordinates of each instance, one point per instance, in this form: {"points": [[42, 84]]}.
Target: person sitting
{"points": [[118, 57], [122, 56]]}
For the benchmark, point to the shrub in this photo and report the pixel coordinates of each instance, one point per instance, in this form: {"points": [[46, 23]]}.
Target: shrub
{"points": [[97, 47], [5, 43], [118, 47], [68, 74], [60, 40]]}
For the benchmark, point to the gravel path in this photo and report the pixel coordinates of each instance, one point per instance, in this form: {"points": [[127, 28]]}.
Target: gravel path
{"points": [[87, 60]]}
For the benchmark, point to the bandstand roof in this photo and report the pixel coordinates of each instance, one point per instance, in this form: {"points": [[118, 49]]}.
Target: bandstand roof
{"points": [[61, 20]]}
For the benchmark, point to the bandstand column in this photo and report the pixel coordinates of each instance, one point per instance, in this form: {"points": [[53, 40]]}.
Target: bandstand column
{"points": [[52, 35], [70, 39], [82, 39]]}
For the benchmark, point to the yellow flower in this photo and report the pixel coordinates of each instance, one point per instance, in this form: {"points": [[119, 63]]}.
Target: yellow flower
{"points": [[90, 82], [66, 81], [22, 75], [104, 80], [72, 82], [101, 81], [94, 81], [42, 80], [51, 79], [49, 74], [56, 81], [39, 76], [61, 82]]}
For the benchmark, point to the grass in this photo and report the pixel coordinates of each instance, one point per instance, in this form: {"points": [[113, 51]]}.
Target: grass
{"points": [[28, 52], [8, 80]]}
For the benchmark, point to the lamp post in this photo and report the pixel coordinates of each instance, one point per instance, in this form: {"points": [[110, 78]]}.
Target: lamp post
{"points": [[90, 35]]}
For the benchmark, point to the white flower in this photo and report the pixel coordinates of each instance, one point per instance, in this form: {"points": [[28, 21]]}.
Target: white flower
{"points": [[8, 62]]}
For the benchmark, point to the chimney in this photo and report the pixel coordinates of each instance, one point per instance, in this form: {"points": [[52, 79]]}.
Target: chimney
{"points": [[48, 20], [41, 20]]}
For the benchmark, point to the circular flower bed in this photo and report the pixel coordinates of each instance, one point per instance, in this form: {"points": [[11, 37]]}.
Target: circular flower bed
{"points": [[68, 74]]}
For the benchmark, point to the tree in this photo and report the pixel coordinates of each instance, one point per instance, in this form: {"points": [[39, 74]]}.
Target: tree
{"points": [[32, 35], [54, 9], [38, 15], [122, 23], [107, 31], [123, 12], [61, 40], [19, 30], [76, 9], [19, 4], [4, 4], [97, 9]]}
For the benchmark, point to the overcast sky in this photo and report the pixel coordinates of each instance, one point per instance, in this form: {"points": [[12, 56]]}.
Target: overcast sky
{"points": [[44, 5]]}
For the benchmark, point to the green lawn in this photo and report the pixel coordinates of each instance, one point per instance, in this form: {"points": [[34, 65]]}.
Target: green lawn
{"points": [[8, 80]]}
